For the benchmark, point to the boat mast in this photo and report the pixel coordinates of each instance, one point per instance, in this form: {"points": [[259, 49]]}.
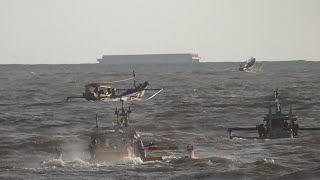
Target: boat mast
{"points": [[134, 79]]}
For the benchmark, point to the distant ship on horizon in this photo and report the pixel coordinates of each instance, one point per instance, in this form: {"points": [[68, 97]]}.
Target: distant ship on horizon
{"points": [[150, 58]]}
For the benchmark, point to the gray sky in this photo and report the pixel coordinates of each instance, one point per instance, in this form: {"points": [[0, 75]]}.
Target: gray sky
{"points": [[80, 31]]}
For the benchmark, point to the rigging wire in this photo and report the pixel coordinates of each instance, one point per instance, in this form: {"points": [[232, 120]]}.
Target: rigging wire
{"points": [[154, 94]]}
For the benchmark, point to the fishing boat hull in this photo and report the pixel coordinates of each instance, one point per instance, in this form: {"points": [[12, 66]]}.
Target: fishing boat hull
{"points": [[246, 69], [109, 155]]}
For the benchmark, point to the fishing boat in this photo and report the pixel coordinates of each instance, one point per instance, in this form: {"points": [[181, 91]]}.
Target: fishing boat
{"points": [[105, 91], [277, 124], [248, 65], [122, 141]]}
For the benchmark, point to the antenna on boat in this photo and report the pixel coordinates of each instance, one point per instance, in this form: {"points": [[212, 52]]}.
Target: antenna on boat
{"points": [[123, 116], [122, 104], [117, 113], [97, 121], [134, 79], [270, 120], [291, 123]]}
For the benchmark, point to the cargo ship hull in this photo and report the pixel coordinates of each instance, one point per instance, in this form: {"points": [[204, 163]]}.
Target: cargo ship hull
{"points": [[149, 59]]}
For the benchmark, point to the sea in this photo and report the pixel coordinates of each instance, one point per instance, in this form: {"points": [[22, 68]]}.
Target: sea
{"points": [[197, 106]]}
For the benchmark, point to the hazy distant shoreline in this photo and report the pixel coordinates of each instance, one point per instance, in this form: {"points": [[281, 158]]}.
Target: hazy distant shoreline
{"points": [[201, 62]]}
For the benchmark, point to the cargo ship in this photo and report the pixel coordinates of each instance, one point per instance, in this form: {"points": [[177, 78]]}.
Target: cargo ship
{"points": [[150, 59]]}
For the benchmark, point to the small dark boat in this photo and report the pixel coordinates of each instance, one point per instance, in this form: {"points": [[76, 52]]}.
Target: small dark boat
{"points": [[276, 124]]}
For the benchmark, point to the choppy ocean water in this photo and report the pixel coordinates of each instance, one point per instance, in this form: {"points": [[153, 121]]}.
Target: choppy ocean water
{"points": [[198, 104]]}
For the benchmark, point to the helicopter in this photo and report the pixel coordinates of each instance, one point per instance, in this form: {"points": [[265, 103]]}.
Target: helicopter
{"points": [[277, 124], [104, 91]]}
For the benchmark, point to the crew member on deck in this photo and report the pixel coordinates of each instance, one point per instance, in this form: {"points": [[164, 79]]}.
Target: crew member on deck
{"points": [[276, 94], [190, 151], [109, 91], [87, 90], [113, 92], [101, 93]]}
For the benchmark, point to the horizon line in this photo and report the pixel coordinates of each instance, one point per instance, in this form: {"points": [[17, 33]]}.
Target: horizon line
{"points": [[159, 63]]}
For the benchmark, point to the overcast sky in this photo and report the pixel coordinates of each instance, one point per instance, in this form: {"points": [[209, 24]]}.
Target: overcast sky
{"points": [[80, 31]]}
